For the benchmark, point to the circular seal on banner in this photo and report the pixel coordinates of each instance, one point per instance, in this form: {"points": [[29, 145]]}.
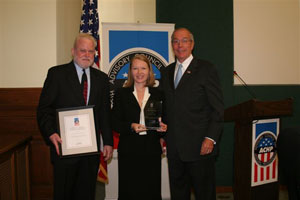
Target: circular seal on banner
{"points": [[118, 72], [265, 149]]}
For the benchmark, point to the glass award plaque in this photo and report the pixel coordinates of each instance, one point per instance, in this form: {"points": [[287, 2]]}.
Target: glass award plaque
{"points": [[152, 112]]}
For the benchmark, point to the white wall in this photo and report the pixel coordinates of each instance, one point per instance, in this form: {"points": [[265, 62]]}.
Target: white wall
{"points": [[266, 41], [130, 11], [38, 34], [67, 23], [27, 41]]}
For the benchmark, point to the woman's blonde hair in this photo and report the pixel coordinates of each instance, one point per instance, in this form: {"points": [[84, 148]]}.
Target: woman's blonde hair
{"points": [[150, 80]]}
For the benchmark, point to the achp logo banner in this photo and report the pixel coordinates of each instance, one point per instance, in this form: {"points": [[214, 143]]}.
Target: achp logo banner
{"points": [[120, 42], [264, 154]]}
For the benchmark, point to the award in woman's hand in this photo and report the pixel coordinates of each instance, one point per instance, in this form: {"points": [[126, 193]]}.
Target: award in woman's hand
{"points": [[152, 112]]}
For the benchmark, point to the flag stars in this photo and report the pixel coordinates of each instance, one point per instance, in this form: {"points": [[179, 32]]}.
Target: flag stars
{"points": [[266, 142], [125, 75], [90, 21]]}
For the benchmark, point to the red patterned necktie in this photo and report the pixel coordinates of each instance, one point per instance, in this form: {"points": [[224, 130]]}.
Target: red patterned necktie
{"points": [[84, 85]]}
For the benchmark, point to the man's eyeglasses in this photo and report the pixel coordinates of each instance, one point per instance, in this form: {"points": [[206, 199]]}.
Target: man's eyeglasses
{"points": [[183, 41]]}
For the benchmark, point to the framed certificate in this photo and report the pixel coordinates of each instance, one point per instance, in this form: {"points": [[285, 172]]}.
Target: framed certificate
{"points": [[77, 130]]}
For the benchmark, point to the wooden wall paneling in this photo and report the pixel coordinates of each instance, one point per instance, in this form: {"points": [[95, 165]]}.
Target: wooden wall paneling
{"points": [[7, 183], [18, 115], [41, 170], [14, 166], [22, 172]]}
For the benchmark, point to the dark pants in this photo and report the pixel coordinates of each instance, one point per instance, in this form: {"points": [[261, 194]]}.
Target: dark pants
{"points": [[75, 178], [197, 175], [139, 177]]}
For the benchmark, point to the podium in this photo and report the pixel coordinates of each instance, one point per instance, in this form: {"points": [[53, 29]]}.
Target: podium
{"points": [[243, 115]]}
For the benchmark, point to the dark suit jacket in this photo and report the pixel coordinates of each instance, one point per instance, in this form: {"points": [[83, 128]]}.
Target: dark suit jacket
{"points": [[126, 110], [288, 147], [62, 90], [194, 110]]}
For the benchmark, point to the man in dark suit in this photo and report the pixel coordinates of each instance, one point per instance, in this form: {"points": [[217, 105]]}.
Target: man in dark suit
{"points": [[194, 114], [75, 178]]}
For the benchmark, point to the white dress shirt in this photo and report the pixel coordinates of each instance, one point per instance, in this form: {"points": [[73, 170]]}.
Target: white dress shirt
{"points": [[144, 102]]}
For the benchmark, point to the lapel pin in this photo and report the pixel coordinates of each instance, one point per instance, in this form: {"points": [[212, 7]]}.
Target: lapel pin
{"points": [[189, 72]]}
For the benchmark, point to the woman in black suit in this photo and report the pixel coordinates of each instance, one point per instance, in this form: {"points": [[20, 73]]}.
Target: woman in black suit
{"points": [[139, 150]]}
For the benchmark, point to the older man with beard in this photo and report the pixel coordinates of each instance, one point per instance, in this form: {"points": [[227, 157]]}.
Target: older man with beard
{"points": [[75, 177]]}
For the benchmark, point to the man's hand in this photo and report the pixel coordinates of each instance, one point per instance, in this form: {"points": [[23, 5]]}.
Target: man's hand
{"points": [[55, 139], [163, 146], [207, 146], [107, 152], [163, 127]]}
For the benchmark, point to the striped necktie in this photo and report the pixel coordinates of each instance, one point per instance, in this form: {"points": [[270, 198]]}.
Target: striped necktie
{"points": [[84, 85], [178, 75]]}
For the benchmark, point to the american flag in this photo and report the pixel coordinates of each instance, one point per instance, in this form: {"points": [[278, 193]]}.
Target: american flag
{"points": [[89, 23], [264, 160]]}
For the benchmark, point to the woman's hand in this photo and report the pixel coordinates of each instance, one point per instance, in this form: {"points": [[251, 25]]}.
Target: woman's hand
{"points": [[138, 127]]}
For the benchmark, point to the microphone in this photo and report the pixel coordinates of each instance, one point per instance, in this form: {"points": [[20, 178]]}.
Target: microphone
{"points": [[244, 84]]}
